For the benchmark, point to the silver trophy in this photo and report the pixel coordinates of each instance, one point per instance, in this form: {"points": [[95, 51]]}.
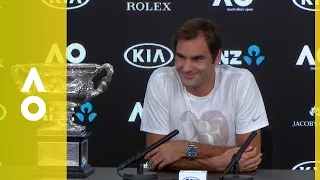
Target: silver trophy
{"points": [[79, 89]]}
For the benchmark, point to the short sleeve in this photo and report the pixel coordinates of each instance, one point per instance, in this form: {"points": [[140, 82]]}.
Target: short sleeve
{"points": [[251, 113], [155, 115]]}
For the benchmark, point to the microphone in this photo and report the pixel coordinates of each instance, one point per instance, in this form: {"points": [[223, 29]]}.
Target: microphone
{"points": [[236, 157], [141, 154]]}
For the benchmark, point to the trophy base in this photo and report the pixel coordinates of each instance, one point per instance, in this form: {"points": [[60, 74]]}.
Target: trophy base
{"points": [[76, 159], [56, 130], [80, 172], [76, 131], [78, 166]]}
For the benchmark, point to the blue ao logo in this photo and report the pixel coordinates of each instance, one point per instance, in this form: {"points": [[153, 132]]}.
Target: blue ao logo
{"points": [[254, 52], [86, 109]]}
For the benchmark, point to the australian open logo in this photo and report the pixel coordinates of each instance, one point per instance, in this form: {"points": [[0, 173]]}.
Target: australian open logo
{"points": [[66, 4]]}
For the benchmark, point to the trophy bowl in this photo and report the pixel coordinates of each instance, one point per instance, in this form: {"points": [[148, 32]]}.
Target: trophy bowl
{"points": [[73, 83], [80, 88]]}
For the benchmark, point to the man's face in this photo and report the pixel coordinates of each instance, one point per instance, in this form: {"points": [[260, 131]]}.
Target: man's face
{"points": [[193, 62]]}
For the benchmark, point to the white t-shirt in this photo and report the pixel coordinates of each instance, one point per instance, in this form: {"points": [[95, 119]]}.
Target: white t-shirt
{"points": [[234, 106]]}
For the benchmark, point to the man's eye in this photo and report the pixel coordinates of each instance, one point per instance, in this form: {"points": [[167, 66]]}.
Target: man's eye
{"points": [[180, 57]]}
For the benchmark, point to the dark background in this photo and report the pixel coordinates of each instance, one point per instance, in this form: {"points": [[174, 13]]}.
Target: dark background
{"points": [[106, 30]]}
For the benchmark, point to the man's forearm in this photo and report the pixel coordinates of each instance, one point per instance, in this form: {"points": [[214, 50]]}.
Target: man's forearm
{"points": [[208, 164], [203, 150], [206, 150]]}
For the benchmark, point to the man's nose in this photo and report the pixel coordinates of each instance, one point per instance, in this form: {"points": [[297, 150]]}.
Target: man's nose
{"points": [[187, 66]]}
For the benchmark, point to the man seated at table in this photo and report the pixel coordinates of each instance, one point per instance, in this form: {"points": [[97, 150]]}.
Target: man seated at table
{"points": [[215, 107]]}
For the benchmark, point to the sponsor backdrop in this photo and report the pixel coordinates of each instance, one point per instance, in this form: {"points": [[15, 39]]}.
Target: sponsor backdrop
{"points": [[273, 39]]}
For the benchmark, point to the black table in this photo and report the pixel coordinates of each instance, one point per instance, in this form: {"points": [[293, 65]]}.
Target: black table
{"points": [[103, 173]]}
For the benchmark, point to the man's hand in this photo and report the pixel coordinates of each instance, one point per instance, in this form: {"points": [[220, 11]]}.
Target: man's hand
{"points": [[249, 160], [166, 154]]}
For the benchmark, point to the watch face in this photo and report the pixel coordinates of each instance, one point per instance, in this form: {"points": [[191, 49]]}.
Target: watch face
{"points": [[192, 152]]}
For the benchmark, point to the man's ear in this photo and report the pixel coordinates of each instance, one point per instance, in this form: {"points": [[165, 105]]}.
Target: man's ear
{"points": [[218, 57]]}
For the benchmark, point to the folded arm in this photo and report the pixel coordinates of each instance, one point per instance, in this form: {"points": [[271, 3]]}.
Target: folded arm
{"points": [[209, 164], [212, 158], [203, 150]]}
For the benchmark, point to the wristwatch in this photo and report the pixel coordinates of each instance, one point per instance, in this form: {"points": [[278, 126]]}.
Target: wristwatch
{"points": [[191, 150]]}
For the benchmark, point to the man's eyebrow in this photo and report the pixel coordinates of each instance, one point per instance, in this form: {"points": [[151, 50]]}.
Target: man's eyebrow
{"points": [[197, 56], [192, 57], [180, 55]]}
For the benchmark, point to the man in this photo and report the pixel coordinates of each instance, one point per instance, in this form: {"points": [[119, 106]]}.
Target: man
{"points": [[215, 107]]}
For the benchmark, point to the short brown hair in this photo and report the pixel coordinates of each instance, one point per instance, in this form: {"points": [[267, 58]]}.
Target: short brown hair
{"points": [[191, 29]]}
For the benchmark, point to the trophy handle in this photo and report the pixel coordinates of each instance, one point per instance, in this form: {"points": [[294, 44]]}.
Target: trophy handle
{"points": [[105, 81]]}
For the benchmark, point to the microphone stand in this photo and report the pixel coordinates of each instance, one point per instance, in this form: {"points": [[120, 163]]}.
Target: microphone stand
{"points": [[235, 171], [140, 174]]}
